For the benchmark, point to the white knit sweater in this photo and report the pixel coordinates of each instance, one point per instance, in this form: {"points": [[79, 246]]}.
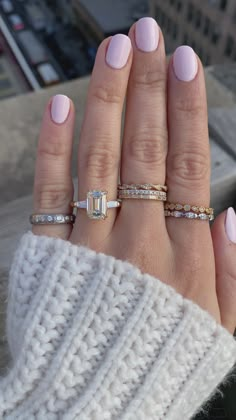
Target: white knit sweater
{"points": [[93, 338]]}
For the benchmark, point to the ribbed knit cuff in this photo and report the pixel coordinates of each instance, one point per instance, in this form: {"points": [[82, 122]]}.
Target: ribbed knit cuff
{"points": [[93, 338]]}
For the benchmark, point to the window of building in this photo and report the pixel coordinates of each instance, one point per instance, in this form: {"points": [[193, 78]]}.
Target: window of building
{"points": [[207, 25], [157, 13], [179, 6], [198, 19], [168, 25], [234, 16], [190, 12], [185, 39], [229, 46], [223, 4], [215, 35], [200, 52], [207, 60], [163, 19], [175, 31]]}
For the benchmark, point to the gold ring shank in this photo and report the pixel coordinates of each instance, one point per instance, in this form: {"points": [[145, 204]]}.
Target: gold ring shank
{"points": [[152, 187]]}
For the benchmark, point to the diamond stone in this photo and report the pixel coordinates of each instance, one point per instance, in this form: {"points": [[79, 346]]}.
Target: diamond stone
{"points": [[178, 206], [97, 205], [191, 215], [187, 207], [203, 216], [177, 214], [50, 218]]}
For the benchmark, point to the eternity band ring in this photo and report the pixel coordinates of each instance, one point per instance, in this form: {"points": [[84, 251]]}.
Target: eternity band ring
{"points": [[51, 219], [96, 205], [142, 195]]}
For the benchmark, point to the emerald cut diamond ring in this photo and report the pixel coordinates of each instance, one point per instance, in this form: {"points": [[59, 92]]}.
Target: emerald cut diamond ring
{"points": [[96, 204]]}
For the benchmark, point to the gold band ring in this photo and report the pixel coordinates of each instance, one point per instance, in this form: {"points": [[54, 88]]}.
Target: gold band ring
{"points": [[188, 207], [153, 187]]}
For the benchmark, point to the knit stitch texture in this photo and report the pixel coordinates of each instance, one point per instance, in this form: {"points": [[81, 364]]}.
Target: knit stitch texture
{"points": [[91, 337]]}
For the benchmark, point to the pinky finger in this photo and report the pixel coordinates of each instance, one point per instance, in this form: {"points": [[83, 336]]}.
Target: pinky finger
{"points": [[224, 241], [53, 185]]}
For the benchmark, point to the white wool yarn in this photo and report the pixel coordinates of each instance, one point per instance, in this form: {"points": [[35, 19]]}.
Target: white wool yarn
{"points": [[91, 337]]}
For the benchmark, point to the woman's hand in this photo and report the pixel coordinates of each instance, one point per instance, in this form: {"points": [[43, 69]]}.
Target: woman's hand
{"points": [[165, 141]]}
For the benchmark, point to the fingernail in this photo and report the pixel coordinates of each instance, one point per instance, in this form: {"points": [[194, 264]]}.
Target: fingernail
{"points": [[147, 34], [230, 225], [118, 51], [60, 108], [185, 63]]}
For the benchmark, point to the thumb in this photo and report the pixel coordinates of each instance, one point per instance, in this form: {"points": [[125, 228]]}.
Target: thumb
{"points": [[224, 242]]}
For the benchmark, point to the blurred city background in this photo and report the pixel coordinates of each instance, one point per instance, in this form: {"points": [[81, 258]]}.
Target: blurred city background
{"points": [[44, 42], [49, 47]]}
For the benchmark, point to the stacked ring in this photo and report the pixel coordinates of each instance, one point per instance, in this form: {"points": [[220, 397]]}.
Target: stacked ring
{"points": [[189, 215], [142, 192], [154, 187], [189, 211], [188, 207]]}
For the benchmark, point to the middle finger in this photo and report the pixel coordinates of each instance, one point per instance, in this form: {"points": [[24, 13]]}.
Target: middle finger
{"points": [[145, 136]]}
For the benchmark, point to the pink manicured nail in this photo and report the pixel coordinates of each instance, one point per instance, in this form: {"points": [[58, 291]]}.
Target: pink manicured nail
{"points": [[118, 51], [60, 108], [230, 225], [185, 63], [147, 34]]}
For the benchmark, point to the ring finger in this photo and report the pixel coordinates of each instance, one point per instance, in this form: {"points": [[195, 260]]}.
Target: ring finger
{"points": [[188, 161]]}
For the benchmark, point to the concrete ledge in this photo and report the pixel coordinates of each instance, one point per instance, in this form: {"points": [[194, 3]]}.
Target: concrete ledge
{"points": [[20, 120]]}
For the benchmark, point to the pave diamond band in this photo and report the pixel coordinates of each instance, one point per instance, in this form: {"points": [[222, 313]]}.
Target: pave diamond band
{"points": [[51, 219], [142, 195], [96, 205], [189, 215]]}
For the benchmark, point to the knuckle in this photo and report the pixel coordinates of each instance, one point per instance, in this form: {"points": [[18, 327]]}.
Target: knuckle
{"points": [[150, 79], [106, 94], [147, 148], [100, 161], [189, 165], [52, 148], [189, 107], [53, 196]]}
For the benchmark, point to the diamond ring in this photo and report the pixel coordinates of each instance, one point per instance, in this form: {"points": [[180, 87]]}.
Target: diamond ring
{"points": [[96, 205]]}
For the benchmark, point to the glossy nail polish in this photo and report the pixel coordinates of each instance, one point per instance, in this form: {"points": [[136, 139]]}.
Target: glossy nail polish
{"points": [[118, 51], [147, 34], [185, 63], [60, 108], [230, 225]]}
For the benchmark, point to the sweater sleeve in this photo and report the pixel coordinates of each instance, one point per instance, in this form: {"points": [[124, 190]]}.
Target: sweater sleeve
{"points": [[92, 338]]}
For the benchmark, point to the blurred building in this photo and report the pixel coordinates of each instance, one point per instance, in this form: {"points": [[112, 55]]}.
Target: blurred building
{"points": [[12, 80], [101, 18], [209, 26]]}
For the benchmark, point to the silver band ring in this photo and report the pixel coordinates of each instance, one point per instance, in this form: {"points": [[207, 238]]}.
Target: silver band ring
{"points": [[96, 205], [51, 219], [189, 215]]}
